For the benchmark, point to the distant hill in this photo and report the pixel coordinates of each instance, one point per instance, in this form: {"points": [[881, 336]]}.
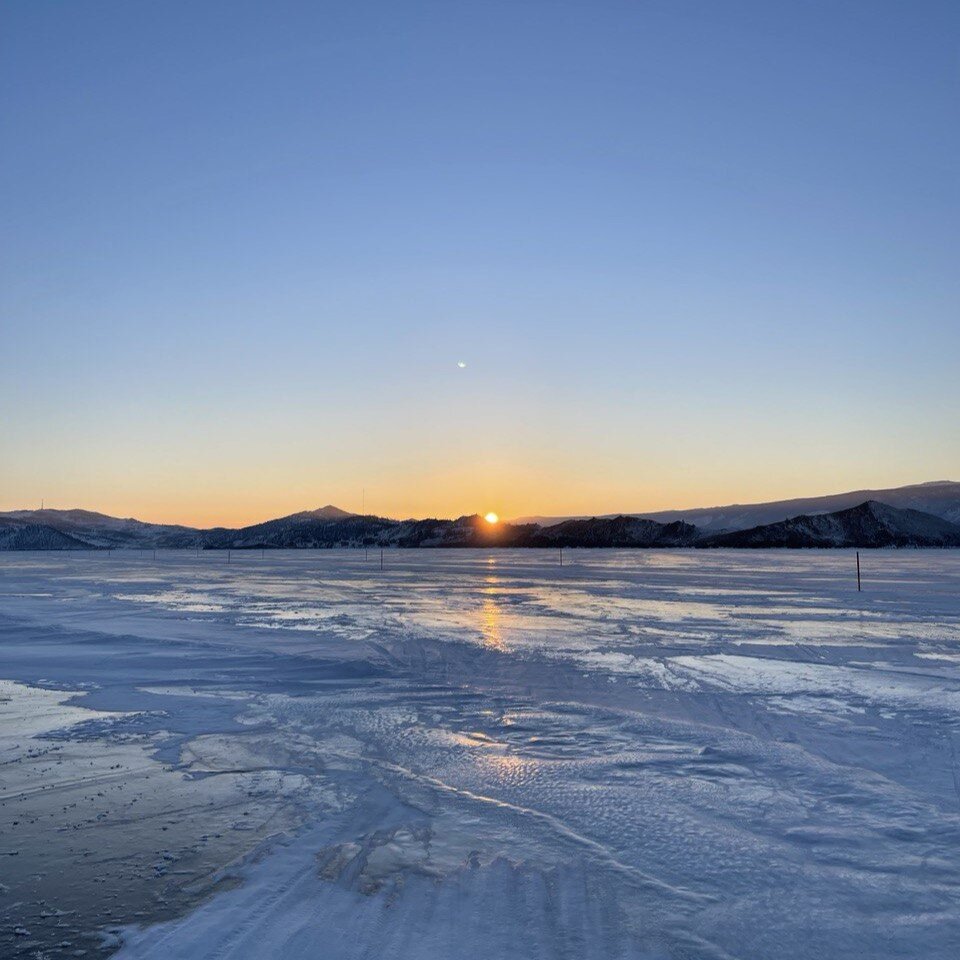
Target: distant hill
{"points": [[357, 531], [870, 524], [468, 531], [301, 530], [21, 535], [100, 530], [939, 497], [93, 529], [867, 524], [615, 532], [329, 512]]}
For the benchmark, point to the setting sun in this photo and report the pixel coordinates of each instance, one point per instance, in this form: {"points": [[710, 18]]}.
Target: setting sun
{"points": [[491, 517]]}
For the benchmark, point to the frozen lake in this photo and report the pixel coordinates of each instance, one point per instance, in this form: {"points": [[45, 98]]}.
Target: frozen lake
{"points": [[690, 754]]}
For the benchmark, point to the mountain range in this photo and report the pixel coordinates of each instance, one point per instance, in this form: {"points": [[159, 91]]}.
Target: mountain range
{"points": [[868, 523], [939, 497]]}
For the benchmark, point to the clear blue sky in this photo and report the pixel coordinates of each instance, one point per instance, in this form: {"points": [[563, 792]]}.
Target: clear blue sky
{"points": [[691, 252]]}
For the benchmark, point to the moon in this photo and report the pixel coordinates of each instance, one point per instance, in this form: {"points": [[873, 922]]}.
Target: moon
{"points": [[461, 364]]}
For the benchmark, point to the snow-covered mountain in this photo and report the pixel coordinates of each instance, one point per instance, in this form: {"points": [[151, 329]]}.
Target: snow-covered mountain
{"points": [[22, 535], [93, 529], [870, 524], [939, 497]]}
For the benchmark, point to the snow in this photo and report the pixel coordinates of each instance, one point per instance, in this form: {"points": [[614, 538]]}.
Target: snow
{"points": [[658, 754]]}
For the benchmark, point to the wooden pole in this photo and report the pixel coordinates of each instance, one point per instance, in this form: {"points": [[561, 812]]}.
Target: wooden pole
{"points": [[561, 556], [858, 571], [228, 554], [381, 558]]}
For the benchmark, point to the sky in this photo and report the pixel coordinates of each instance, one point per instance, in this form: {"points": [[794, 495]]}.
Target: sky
{"points": [[690, 252]]}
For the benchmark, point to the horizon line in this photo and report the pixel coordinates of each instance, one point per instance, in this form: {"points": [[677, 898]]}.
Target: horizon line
{"points": [[522, 518]]}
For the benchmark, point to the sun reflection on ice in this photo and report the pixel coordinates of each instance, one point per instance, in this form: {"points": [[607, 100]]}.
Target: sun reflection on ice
{"points": [[491, 629]]}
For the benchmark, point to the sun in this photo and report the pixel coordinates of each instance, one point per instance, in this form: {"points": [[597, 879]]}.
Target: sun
{"points": [[491, 517]]}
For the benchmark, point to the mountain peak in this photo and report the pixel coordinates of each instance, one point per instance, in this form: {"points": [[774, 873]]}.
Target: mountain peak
{"points": [[328, 512]]}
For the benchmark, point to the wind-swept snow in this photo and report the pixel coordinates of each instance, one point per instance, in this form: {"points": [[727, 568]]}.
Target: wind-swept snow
{"points": [[667, 754]]}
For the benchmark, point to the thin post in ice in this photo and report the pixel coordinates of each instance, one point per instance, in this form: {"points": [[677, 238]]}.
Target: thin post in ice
{"points": [[381, 558], [858, 571]]}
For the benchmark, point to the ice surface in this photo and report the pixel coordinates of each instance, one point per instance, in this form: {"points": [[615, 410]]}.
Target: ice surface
{"points": [[467, 754]]}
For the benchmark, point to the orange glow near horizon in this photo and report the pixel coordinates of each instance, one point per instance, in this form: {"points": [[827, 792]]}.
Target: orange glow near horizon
{"points": [[166, 493], [491, 517]]}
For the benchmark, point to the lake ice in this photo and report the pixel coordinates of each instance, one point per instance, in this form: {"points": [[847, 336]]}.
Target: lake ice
{"points": [[689, 754]]}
